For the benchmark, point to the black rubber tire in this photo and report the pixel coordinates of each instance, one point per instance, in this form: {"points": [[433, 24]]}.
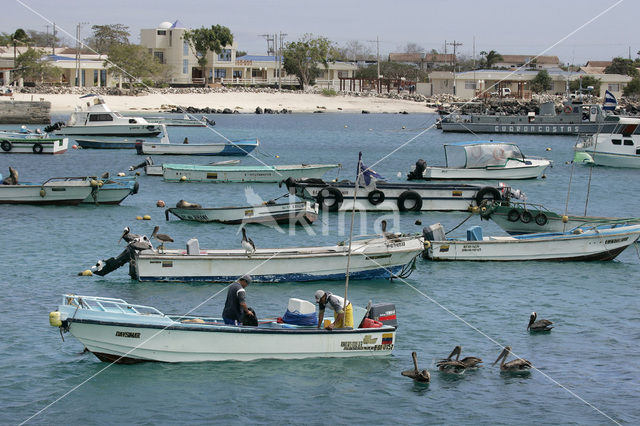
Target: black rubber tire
{"points": [[541, 219], [487, 193], [376, 197], [513, 215], [6, 146], [526, 216], [37, 148], [136, 187], [328, 193], [410, 195]]}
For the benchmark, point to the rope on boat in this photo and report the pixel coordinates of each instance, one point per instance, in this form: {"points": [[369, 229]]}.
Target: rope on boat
{"points": [[460, 224], [406, 269]]}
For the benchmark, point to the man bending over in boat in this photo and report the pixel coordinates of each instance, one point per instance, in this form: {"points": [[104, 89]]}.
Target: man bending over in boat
{"points": [[236, 303], [342, 317]]}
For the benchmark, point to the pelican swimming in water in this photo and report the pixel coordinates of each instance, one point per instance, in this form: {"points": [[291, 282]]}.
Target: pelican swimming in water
{"points": [[127, 236], [163, 238], [458, 365], [515, 366], [540, 325], [415, 374], [247, 243]]}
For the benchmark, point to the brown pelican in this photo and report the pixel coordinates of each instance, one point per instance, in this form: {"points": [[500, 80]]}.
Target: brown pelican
{"points": [[540, 325], [517, 365], [415, 374], [247, 243], [127, 236], [385, 234], [163, 238], [455, 365]]}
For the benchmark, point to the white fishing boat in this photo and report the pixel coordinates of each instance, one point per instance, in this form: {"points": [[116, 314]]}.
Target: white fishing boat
{"points": [[620, 148], [482, 160], [56, 191], [112, 190], [115, 330], [151, 169], [527, 218], [96, 118], [338, 196], [302, 212], [32, 144], [371, 258], [184, 121], [164, 147], [597, 242], [225, 174]]}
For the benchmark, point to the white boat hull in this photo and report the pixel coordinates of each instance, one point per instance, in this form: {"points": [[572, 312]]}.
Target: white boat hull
{"points": [[176, 173], [34, 145], [301, 212], [512, 170], [236, 148], [370, 259], [587, 246], [61, 192], [111, 130]]}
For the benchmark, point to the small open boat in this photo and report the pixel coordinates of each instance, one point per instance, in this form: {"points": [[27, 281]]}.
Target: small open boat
{"points": [[482, 160], [216, 174], [597, 242], [107, 142], [57, 190], [302, 212], [118, 331], [526, 218], [28, 142], [164, 147]]}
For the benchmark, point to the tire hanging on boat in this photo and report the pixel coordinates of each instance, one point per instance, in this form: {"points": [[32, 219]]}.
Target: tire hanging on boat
{"points": [[6, 146], [541, 219], [37, 148], [513, 215], [526, 216], [376, 197], [410, 195], [330, 192], [487, 193]]}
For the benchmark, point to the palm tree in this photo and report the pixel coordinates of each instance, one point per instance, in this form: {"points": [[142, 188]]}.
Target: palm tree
{"points": [[19, 37], [491, 58]]}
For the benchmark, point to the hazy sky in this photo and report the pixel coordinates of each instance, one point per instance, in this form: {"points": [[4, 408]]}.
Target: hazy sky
{"points": [[509, 27]]}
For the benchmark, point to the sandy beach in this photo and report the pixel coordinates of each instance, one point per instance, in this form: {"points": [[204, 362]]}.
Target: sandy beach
{"points": [[244, 102]]}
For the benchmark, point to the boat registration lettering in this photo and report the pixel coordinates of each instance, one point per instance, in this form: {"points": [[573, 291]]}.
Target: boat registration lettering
{"points": [[128, 334], [167, 264], [471, 247], [368, 343], [616, 240], [398, 244]]}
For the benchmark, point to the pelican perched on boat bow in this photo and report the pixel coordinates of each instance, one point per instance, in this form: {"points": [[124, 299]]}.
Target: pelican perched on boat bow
{"points": [[540, 325], [163, 238], [514, 366], [458, 365], [247, 243], [385, 234]]}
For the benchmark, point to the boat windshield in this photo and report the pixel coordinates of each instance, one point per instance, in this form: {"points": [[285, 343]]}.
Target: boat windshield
{"points": [[479, 155]]}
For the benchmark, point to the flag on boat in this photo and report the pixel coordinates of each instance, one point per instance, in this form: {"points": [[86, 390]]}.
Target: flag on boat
{"points": [[365, 176], [609, 101]]}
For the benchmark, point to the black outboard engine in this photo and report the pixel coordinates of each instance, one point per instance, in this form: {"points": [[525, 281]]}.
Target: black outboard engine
{"points": [[53, 127], [418, 172], [147, 162], [103, 267]]}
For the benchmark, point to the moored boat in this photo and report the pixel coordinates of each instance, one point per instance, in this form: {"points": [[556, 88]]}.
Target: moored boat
{"points": [[302, 212], [263, 174], [164, 147], [118, 331], [107, 142], [112, 190], [482, 160], [338, 196], [595, 242], [618, 148], [184, 121], [15, 143], [58, 190]]}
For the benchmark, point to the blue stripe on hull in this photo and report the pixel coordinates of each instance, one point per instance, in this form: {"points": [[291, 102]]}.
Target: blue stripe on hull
{"points": [[362, 275], [238, 150], [106, 145]]}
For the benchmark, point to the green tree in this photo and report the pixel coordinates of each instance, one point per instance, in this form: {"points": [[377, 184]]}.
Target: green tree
{"points": [[622, 66], [42, 39], [490, 58], [392, 70], [632, 88], [19, 37], [541, 82], [303, 57], [204, 40], [587, 81], [33, 66], [106, 36], [133, 62]]}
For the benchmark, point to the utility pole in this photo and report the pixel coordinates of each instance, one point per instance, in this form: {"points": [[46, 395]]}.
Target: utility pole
{"points": [[377, 42], [271, 49], [78, 47], [53, 44], [282, 36], [454, 44]]}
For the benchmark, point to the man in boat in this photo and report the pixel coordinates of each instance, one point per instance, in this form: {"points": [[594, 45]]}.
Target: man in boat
{"points": [[236, 303], [342, 317]]}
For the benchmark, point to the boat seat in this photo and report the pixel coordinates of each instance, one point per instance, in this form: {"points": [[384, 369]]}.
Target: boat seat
{"points": [[474, 233]]}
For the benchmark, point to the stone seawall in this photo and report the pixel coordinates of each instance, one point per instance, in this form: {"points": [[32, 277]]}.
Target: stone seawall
{"points": [[25, 112]]}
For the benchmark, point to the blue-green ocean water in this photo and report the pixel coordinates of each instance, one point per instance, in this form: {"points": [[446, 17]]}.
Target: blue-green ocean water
{"points": [[592, 352]]}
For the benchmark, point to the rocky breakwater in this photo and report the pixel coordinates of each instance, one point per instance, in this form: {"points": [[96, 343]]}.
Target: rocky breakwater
{"points": [[25, 112]]}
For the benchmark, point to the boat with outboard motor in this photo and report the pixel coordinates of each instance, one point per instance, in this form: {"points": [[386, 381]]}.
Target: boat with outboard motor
{"points": [[587, 242], [54, 191], [482, 160], [338, 196], [115, 330], [97, 119], [576, 118], [618, 148]]}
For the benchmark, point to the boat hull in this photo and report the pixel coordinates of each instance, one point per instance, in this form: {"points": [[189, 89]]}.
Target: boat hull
{"points": [[49, 193], [532, 171], [111, 130], [34, 145], [370, 259], [106, 143], [225, 174], [579, 247], [235, 148], [294, 213], [113, 191]]}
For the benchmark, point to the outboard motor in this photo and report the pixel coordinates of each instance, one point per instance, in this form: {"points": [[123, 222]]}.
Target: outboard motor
{"points": [[53, 127], [434, 232], [418, 172], [147, 162], [103, 267]]}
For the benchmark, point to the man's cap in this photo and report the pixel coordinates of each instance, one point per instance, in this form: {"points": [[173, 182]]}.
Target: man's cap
{"points": [[247, 278], [319, 295]]}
